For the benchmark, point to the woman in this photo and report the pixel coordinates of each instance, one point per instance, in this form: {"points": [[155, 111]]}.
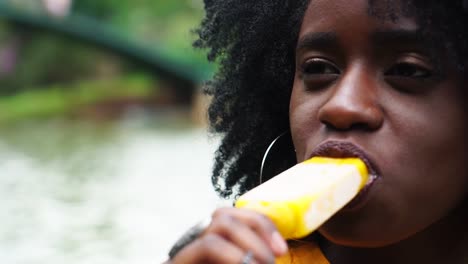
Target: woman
{"points": [[379, 79]]}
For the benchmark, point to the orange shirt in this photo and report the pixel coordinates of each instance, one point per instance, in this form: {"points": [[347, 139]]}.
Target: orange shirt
{"points": [[303, 253]]}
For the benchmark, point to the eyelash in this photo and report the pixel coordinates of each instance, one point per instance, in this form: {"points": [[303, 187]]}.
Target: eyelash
{"points": [[408, 76], [408, 70], [319, 66]]}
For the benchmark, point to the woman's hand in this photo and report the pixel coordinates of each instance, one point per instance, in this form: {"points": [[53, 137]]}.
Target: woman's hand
{"points": [[233, 236]]}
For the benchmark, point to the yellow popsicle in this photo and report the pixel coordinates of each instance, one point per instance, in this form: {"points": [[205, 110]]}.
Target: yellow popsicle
{"points": [[303, 197]]}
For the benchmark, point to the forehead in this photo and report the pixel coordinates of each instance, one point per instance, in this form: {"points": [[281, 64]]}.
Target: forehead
{"points": [[355, 15]]}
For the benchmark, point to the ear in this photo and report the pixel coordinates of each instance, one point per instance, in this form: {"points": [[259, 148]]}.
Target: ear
{"points": [[279, 157]]}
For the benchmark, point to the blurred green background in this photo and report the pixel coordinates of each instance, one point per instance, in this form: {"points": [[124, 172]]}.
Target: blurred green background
{"points": [[67, 54], [104, 153]]}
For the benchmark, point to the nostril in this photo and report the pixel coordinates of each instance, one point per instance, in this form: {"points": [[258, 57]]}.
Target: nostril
{"points": [[361, 126], [354, 126]]}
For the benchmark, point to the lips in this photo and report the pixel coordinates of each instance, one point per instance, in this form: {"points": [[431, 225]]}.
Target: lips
{"points": [[340, 149]]}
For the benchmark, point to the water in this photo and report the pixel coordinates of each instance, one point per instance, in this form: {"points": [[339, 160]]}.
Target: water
{"points": [[95, 192]]}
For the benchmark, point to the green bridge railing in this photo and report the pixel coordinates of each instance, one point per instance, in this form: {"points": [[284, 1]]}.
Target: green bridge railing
{"points": [[85, 29]]}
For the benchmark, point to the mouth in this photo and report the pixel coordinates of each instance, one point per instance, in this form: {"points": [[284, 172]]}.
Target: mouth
{"points": [[340, 149]]}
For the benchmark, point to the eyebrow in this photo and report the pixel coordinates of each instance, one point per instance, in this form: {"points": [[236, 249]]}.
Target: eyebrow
{"points": [[317, 40]]}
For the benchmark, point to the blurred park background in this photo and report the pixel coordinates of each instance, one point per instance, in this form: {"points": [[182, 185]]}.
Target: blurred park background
{"points": [[104, 150]]}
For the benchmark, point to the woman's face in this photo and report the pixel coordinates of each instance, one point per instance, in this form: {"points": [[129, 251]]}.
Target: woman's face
{"points": [[367, 87]]}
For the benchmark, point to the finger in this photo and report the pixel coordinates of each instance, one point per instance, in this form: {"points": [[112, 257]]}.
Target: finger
{"points": [[242, 236], [260, 224], [211, 248]]}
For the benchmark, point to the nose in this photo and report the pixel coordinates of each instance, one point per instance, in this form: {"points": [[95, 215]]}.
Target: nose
{"points": [[353, 103]]}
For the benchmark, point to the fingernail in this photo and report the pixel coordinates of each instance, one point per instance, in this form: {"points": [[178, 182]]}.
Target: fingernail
{"points": [[278, 244]]}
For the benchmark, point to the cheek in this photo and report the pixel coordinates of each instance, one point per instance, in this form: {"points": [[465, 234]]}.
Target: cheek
{"points": [[427, 166], [439, 152], [427, 133], [434, 135], [304, 123]]}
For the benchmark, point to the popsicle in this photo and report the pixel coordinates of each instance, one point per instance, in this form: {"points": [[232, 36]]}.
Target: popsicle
{"points": [[302, 198]]}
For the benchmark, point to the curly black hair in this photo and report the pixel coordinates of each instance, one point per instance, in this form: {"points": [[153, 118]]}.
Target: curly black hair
{"points": [[253, 43]]}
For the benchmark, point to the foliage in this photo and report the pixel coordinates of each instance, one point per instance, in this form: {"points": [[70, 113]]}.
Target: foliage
{"points": [[58, 99], [166, 25], [54, 74], [45, 58]]}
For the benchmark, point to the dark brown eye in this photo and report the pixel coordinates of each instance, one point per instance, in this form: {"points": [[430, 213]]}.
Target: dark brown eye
{"points": [[411, 77], [318, 67], [318, 73], [408, 70]]}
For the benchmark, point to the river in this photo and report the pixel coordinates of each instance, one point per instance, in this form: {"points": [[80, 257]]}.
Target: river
{"points": [[88, 192]]}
